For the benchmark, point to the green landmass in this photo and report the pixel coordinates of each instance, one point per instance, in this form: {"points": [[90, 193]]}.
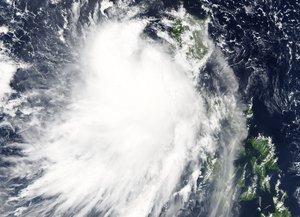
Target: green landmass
{"points": [[257, 166], [199, 49], [249, 112], [188, 32], [177, 31]]}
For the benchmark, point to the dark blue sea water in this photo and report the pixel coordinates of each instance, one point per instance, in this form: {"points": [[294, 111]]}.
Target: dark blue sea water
{"points": [[262, 46]]}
